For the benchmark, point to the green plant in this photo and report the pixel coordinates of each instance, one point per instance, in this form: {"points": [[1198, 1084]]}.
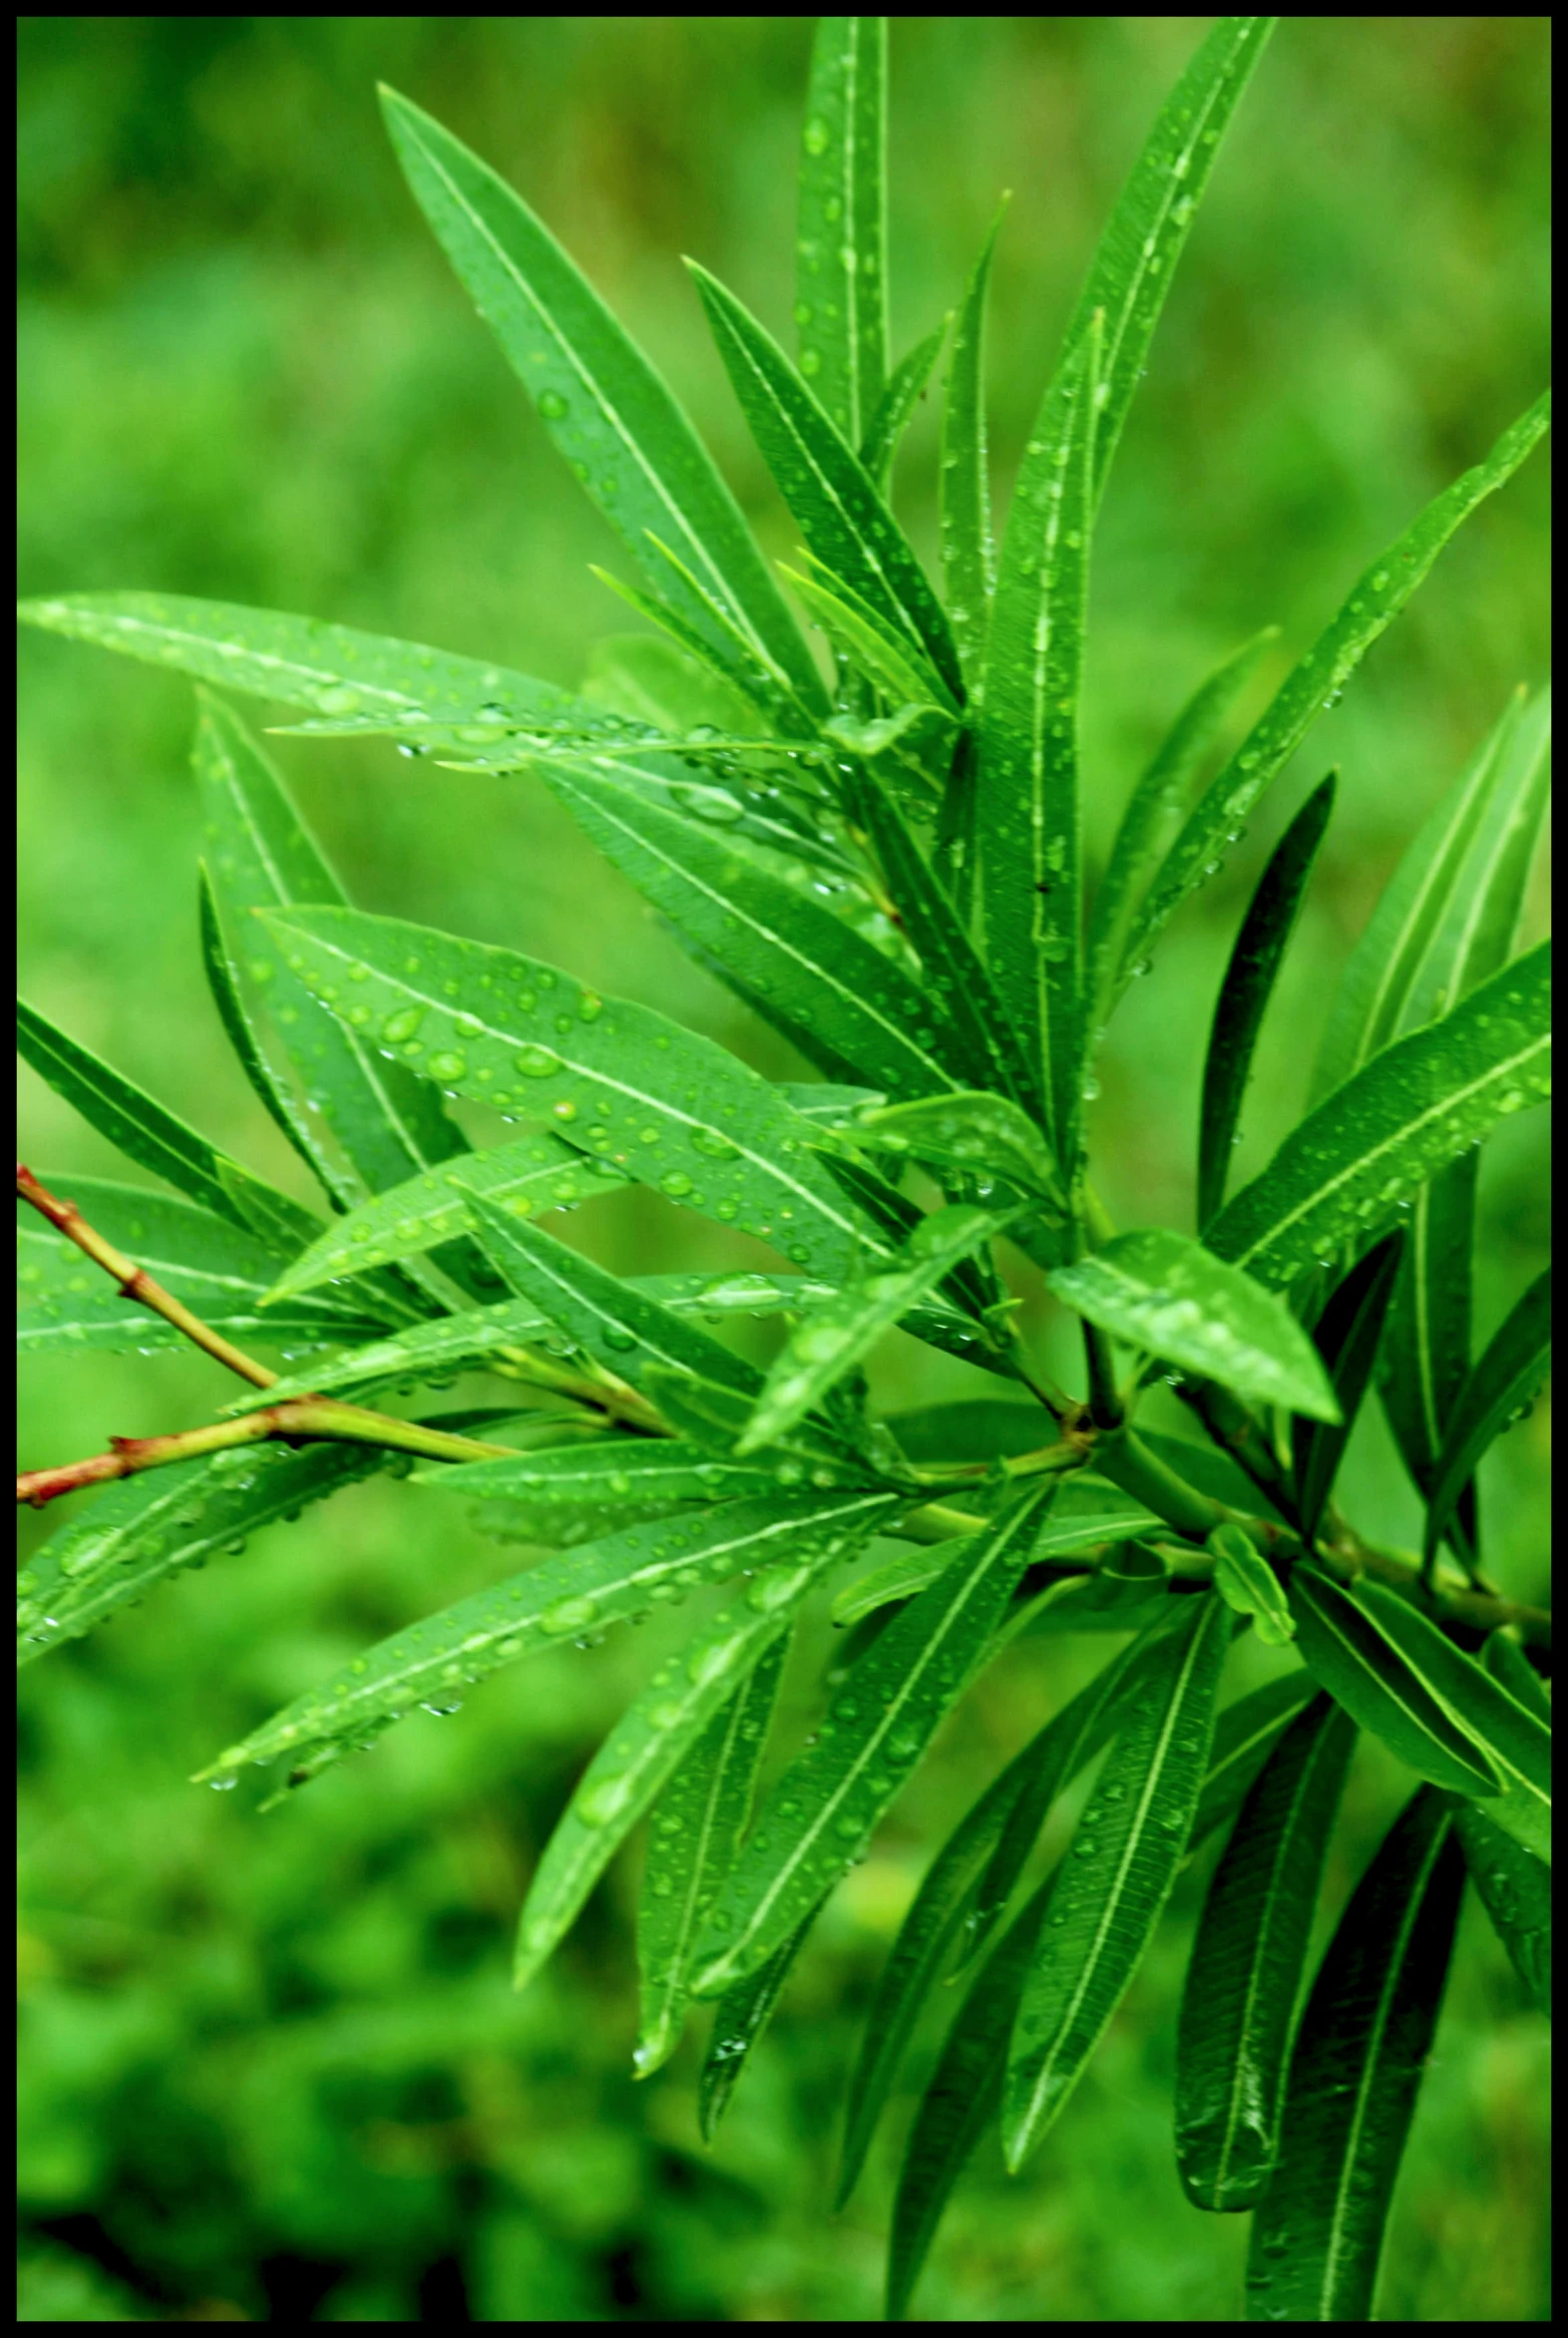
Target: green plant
{"points": [[889, 875]]}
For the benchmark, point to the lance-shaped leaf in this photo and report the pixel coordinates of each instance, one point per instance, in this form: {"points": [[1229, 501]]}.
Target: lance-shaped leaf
{"points": [[1144, 827], [619, 1470], [1425, 1359], [834, 503], [608, 410], [491, 1336], [647, 677], [145, 1133], [855, 1006], [1508, 1665], [1136, 257], [1504, 1383], [1247, 1584], [697, 1829], [973, 1132], [619, 1082], [1244, 1736], [992, 1053], [221, 1274], [1320, 675], [1347, 1337], [730, 655], [145, 1528], [1028, 812], [1354, 2071], [527, 1174], [1161, 1291], [1516, 1892], [1404, 1116], [841, 275], [1246, 991], [657, 1729], [904, 390], [1353, 1651], [965, 1865], [1380, 976], [969, 555], [878, 651], [831, 1798], [559, 1599], [1117, 1876], [271, 1090], [739, 2019], [836, 1335], [1249, 1961], [1512, 1736]]}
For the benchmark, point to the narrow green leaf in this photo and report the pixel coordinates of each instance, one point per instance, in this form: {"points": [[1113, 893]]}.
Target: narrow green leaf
{"points": [[1246, 991], [217, 1270], [1425, 1359], [608, 410], [144, 1131], [565, 1493], [728, 651], [1161, 1291], [739, 2019], [1516, 1892], [1318, 2231], [145, 1529], [1244, 1736], [831, 1798], [895, 408], [1513, 1737], [1347, 1337], [556, 1600], [1249, 1586], [838, 1333], [1249, 1961], [841, 277], [853, 1004], [1320, 675], [1380, 974], [977, 1429], [274, 1093], [1504, 1383], [1027, 808], [1352, 1651], [1143, 239], [1086, 1511], [869, 644], [1404, 1116], [836, 504], [1508, 1665], [1144, 827], [487, 1024], [968, 553], [651, 1737], [977, 1134], [650, 679], [1117, 1876], [696, 1831]]}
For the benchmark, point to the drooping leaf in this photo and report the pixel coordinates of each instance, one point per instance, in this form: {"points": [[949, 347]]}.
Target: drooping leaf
{"points": [[1356, 2065], [739, 2019], [605, 407], [1244, 1736], [1351, 1651], [832, 1795], [895, 408], [1249, 1961], [272, 1091], [559, 1599], [1028, 812], [219, 1273], [1246, 991], [657, 1730], [1347, 1337], [835, 504], [1503, 1382], [969, 554], [837, 1334], [1249, 1586], [1320, 675], [1144, 827], [145, 1132], [1161, 1291], [696, 1829], [618, 1081], [1118, 1873], [848, 998], [1380, 974], [1404, 1117], [1516, 1892], [841, 276]]}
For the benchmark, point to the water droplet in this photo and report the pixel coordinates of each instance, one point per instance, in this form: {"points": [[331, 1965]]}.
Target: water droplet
{"points": [[553, 405], [814, 138], [447, 1065], [536, 1062], [566, 1616], [402, 1026]]}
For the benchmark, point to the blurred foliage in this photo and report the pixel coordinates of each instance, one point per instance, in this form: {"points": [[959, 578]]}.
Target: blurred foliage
{"points": [[272, 2070]]}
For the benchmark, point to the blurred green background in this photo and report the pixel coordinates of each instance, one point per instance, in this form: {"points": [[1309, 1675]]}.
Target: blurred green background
{"points": [[271, 2068]]}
